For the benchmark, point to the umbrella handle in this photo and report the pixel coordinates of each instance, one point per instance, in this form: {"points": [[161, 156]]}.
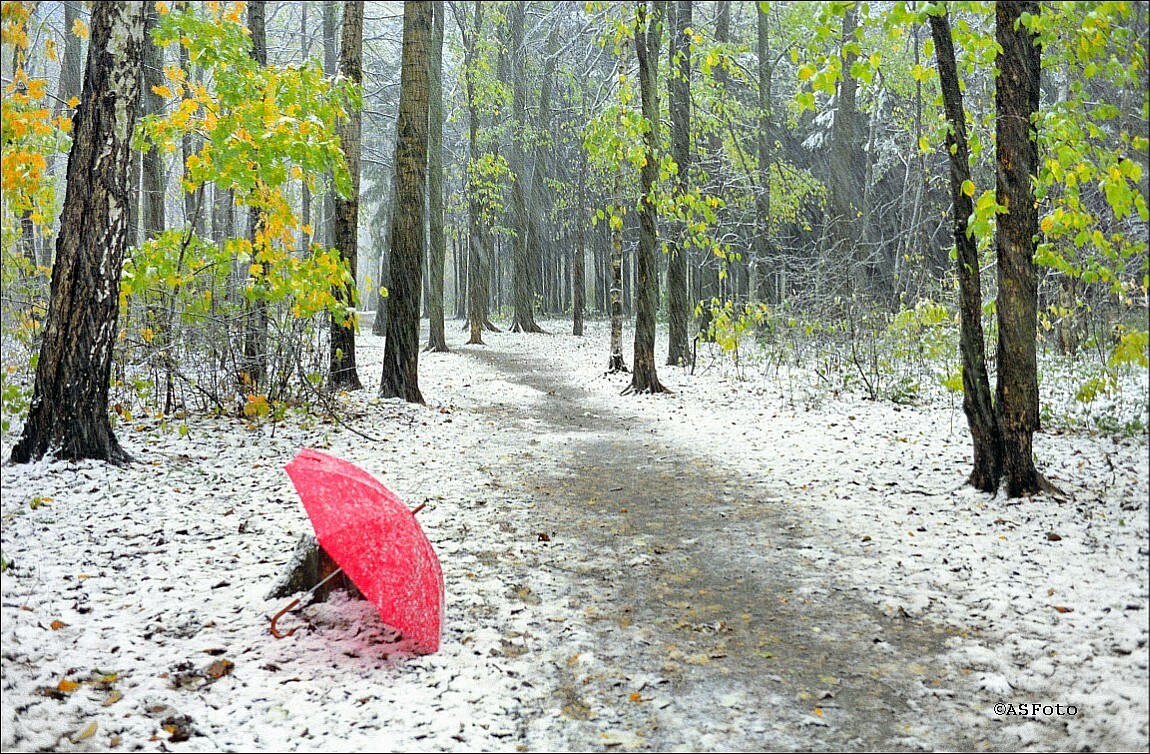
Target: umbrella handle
{"points": [[279, 615], [295, 602]]}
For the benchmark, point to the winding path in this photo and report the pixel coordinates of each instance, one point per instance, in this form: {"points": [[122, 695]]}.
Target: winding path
{"points": [[707, 626]]}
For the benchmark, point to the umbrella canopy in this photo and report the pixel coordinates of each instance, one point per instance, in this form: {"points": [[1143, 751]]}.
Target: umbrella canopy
{"points": [[377, 542]]}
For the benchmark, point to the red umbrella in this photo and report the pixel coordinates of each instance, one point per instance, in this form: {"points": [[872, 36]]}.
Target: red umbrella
{"points": [[377, 542]]}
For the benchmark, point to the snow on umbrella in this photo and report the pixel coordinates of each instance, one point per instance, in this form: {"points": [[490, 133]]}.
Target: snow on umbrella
{"points": [[377, 542]]}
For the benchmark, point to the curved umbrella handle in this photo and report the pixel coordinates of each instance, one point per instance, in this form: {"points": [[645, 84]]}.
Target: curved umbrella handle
{"points": [[279, 615]]}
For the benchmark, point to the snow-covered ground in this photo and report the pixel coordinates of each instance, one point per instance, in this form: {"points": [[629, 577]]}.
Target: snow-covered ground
{"points": [[129, 588]]}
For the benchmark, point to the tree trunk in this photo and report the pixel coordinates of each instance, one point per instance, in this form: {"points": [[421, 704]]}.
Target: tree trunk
{"points": [[679, 103], [401, 350], [256, 324], [522, 275], [305, 193], [330, 66], [478, 277], [69, 410], [383, 266], [72, 61], [615, 362], [764, 260], [976, 397], [342, 373], [648, 36], [437, 338], [1016, 100], [845, 184], [579, 264], [152, 183]]}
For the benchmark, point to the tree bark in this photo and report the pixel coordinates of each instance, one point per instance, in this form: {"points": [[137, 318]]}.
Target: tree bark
{"points": [[437, 338], [69, 410], [679, 103], [648, 36], [342, 372], [579, 264], [1016, 99], [152, 182], [615, 362], [763, 259], [845, 184], [522, 277], [256, 319], [976, 396], [478, 277], [401, 350]]}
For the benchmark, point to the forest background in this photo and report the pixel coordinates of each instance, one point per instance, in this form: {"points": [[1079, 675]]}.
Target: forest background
{"points": [[795, 178]]}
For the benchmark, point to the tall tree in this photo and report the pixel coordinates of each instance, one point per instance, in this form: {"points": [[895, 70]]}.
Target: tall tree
{"points": [[255, 355], [72, 61], [152, 182], [522, 276], [342, 374], [845, 184], [579, 263], [69, 410], [679, 103], [436, 337], [976, 396], [1016, 99], [401, 350], [763, 261], [712, 271], [478, 274], [305, 192], [648, 36]]}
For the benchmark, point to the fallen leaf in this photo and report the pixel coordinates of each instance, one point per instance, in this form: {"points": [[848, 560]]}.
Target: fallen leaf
{"points": [[1051, 536], [1063, 609], [56, 625], [219, 669], [88, 732], [819, 711], [113, 697], [67, 686], [636, 697]]}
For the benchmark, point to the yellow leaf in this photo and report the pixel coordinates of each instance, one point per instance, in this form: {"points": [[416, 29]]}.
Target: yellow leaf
{"points": [[162, 9], [56, 625], [1047, 223], [67, 686], [968, 187], [88, 732], [80, 29], [74, 102], [163, 91]]}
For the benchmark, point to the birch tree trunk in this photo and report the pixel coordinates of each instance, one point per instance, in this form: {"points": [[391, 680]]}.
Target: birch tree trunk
{"points": [[69, 411]]}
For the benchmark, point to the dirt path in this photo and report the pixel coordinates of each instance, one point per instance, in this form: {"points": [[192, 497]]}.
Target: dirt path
{"points": [[706, 626]]}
